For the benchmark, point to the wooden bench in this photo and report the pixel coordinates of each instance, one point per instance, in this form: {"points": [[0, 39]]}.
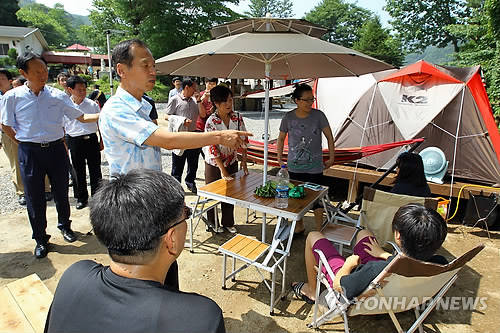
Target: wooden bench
{"points": [[367, 176], [24, 305]]}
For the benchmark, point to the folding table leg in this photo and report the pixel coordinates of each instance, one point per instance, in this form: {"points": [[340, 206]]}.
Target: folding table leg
{"points": [[224, 271], [273, 288], [283, 277], [263, 240], [233, 269], [191, 226]]}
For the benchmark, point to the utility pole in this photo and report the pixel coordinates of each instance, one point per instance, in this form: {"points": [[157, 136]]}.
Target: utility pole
{"points": [[108, 32]]}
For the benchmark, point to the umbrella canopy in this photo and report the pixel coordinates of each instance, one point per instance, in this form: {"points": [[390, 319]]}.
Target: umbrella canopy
{"points": [[292, 56], [269, 55], [268, 24]]}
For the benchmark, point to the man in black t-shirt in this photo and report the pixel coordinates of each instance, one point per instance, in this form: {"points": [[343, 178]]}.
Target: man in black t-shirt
{"points": [[98, 96], [143, 239], [418, 231]]}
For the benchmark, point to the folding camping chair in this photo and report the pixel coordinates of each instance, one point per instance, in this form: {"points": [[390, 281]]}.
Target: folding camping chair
{"points": [[200, 207], [403, 285], [377, 211], [268, 257]]}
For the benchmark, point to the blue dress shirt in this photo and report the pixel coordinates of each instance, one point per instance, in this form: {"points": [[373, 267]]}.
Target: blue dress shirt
{"points": [[37, 118], [125, 125]]}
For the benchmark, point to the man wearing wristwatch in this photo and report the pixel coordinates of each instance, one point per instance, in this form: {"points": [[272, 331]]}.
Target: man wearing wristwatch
{"points": [[186, 104]]}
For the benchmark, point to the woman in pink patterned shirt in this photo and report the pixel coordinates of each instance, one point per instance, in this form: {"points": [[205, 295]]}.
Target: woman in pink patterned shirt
{"points": [[221, 161]]}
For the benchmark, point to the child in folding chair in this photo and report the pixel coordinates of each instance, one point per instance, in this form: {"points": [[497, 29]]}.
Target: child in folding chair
{"points": [[418, 231]]}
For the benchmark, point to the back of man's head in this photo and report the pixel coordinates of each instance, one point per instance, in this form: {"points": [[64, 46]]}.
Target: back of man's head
{"points": [[422, 230], [131, 212]]}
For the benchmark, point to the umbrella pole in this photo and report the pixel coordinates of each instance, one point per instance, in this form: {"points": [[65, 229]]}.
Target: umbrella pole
{"points": [[266, 121]]}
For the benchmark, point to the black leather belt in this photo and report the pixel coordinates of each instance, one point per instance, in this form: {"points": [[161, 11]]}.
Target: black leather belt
{"points": [[83, 137], [42, 144]]}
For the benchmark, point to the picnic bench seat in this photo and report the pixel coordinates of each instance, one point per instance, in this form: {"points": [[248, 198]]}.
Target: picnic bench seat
{"points": [[24, 305]]}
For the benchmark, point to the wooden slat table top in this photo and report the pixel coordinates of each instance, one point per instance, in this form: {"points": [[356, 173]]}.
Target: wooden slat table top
{"points": [[241, 189]]}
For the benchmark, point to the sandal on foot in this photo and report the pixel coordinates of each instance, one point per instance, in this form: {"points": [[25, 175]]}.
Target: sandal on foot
{"points": [[297, 290]]}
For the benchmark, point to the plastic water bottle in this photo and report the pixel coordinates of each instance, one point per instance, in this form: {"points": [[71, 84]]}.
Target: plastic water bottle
{"points": [[282, 188]]}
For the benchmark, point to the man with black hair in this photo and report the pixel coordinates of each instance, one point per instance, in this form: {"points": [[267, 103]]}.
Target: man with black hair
{"points": [[83, 143], [418, 231], [131, 139], [98, 96], [176, 81], [62, 78], [186, 104], [32, 116], [18, 81], [143, 239]]}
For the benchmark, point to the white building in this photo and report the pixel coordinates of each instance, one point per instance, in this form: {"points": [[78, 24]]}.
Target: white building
{"points": [[22, 39]]}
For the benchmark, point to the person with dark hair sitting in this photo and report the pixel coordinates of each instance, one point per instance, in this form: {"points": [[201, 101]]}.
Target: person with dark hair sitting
{"points": [[418, 231], [143, 239], [410, 179]]}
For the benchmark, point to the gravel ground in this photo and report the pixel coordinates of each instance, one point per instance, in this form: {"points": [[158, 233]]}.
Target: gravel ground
{"points": [[254, 122]]}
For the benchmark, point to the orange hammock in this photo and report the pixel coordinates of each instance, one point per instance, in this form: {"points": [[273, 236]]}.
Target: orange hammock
{"points": [[255, 152]]}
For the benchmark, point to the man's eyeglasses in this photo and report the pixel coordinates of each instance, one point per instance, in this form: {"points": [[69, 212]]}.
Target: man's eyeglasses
{"points": [[310, 100], [187, 214]]}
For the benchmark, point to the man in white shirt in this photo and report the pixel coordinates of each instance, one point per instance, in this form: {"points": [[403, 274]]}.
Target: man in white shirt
{"points": [[83, 143], [176, 81]]}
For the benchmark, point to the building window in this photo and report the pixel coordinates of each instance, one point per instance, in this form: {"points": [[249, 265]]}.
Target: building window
{"points": [[4, 49]]}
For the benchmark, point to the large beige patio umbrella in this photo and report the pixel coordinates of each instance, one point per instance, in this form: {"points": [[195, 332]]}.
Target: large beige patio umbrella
{"points": [[268, 55], [268, 24]]}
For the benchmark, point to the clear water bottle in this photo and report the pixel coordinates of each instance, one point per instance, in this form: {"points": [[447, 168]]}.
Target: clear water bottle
{"points": [[282, 188]]}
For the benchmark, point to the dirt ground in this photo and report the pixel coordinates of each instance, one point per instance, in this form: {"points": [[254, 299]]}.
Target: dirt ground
{"points": [[245, 303]]}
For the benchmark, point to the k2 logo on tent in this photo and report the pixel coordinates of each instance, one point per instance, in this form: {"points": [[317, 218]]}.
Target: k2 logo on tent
{"points": [[410, 99]]}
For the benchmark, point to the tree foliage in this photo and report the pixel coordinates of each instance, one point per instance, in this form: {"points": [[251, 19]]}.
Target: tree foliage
{"points": [[423, 23], [165, 25], [341, 18], [481, 45], [277, 8], [54, 23], [376, 42], [8, 9]]}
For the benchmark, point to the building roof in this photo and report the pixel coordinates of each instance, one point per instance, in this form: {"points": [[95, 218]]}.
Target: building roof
{"points": [[73, 58], [77, 47], [22, 33]]}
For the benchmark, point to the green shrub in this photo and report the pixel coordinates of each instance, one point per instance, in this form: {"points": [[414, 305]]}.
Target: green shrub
{"points": [[159, 93], [87, 78]]}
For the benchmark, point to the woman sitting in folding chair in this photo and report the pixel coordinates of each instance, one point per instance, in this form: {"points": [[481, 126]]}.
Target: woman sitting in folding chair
{"points": [[418, 231], [410, 179]]}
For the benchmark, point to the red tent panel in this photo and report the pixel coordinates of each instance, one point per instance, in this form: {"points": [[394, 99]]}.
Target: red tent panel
{"points": [[477, 90], [420, 67]]}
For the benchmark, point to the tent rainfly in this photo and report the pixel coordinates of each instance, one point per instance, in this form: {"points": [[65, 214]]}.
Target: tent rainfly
{"points": [[448, 106]]}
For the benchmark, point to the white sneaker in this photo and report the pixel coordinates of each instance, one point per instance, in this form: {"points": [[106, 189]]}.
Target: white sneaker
{"points": [[232, 230]]}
